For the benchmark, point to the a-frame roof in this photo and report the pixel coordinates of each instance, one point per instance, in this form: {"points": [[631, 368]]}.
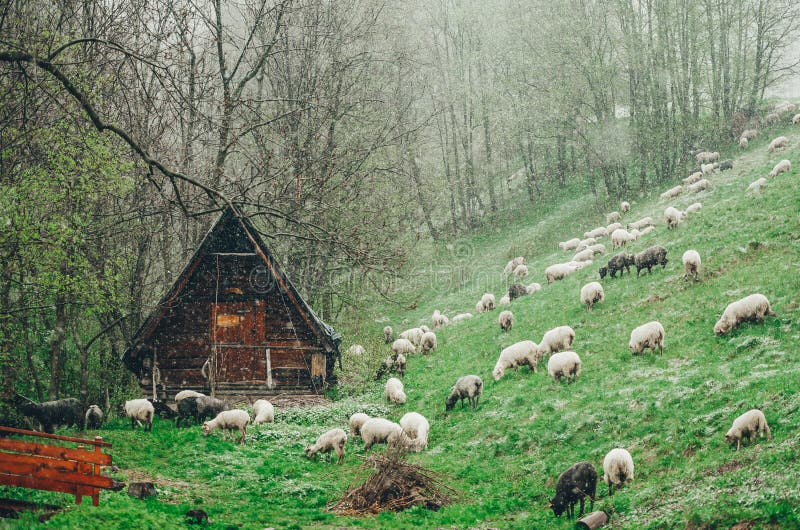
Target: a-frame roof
{"points": [[249, 239]]}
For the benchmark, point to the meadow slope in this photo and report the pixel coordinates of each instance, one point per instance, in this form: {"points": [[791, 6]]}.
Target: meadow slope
{"points": [[669, 411]]}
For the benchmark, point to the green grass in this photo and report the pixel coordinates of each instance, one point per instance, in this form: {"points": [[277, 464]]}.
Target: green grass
{"points": [[670, 412]]}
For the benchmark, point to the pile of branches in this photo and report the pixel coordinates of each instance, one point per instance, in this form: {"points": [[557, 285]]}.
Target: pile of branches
{"points": [[394, 485]]}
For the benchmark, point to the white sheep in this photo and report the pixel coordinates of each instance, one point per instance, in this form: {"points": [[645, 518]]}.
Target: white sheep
{"points": [[488, 301], [459, 317], [771, 118], [570, 244], [624, 207], [578, 265], [586, 243], [518, 354], [557, 339], [617, 469], [416, 428], [694, 177], [438, 319], [424, 328], [692, 264], [610, 228], [700, 185], [229, 420], [750, 308], [583, 255], [748, 425], [621, 237], [650, 335], [505, 300], [428, 342], [613, 216], [641, 223], [388, 334], [520, 272], [533, 288], [332, 440], [673, 217], [705, 156], [564, 364], [777, 143], [413, 335], [356, 421], [591, 293], [756, 185], [783, 166], [506, 320], [468, 387], [796, 119], [263, 412], [513, 264], [382, 431], [356, 349], [183, 394], [750, 134], [394, 391], [743, 143], [706, 169], [694, 208], [140, 410], [672, 192], [646, 230], [559, 271], [403, 346], [479, 307], [599, 248], [600, 231]]}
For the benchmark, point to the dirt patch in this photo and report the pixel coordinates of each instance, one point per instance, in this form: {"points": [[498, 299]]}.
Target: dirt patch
{"points": [[653, 298], [283, 401], [743, 525], [139, 476], [724, 468]]}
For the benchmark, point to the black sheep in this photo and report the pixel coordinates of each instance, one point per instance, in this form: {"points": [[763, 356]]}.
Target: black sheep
{"points": [[162, 410], [620, 262], [66, 412], [649, 258], [574, 484], [208, 408], [187, 410], [516, 291]]}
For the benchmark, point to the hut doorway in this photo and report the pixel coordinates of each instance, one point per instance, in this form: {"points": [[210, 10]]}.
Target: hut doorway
{"points": [[239, 344]]}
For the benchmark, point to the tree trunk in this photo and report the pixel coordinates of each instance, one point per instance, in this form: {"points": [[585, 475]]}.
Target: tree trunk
{"points": [[57, 347]]}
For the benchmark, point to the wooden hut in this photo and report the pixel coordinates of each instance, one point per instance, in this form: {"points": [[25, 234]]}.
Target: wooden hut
{"points": [[233, 325]]}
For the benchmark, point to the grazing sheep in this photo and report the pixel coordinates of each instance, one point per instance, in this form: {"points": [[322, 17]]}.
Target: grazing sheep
{"points": [[428, 342], [504, 301], [693, 208], [424, 328], [591, 293], [641, 223], [756, 185], [673, 217], [599, 248], [438, 319], [600, 231], [479, 307], [777, 143], [533, 288], [513, 264], [93, 418], [578, 265], [706, 169], [382, 431], [403, 346], [621, 237], [51, 414], [487, 300], [187, 410], [393, 363], [672, 192], [559, 271], [209, 407], [140, 410], [784, 166], [416, 428], [610, 228], [413, 335], [749, 134], [388, 334], [725, 165], [557, 339], [748, 425], [706, 157], [647, 336], [564, 364], [692, 264], [394, 391], [700, 185], [624, 207], [649, 258], [620, 262], [583, 255], [332, 440], [570, 244], [613, 216], [506, 320], [586, 243], [229, 420], [468, 387], [162, 410], [753, 308], [459, 317], [743, 143], [573, 485], [356, 421], [521, 272], [646, 230], [518, 354], [185, 394], [771, 118], [796, 119], [263, 412], [617, 469], [694, 177], [356, 349], [517, 290]]}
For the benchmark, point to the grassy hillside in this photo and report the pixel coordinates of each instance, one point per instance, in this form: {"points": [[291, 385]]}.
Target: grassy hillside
{"points": [[670, 412]]}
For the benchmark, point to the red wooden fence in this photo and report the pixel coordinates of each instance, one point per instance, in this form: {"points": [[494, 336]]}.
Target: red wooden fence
{"points": [[30, 464]]}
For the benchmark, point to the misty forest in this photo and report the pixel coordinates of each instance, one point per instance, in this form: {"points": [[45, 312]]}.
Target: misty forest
{"points": [[406, 231]]}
